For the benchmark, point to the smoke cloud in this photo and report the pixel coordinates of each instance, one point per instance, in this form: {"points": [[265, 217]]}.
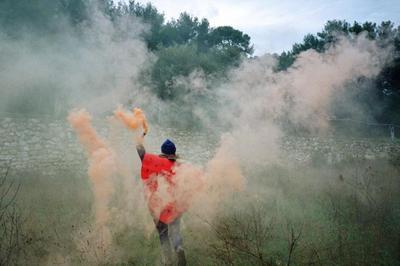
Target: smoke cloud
{"points": [[101, 163], [263, 103], [132, 120], [259, 104], [102, 168], [94, 66]]}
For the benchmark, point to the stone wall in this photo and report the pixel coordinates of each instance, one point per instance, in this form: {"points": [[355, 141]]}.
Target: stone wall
{"points": [[48, 145], [334, 150], [38, 145]]}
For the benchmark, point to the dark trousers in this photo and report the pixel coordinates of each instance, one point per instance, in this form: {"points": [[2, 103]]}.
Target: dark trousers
{"points": [[170, 235]]}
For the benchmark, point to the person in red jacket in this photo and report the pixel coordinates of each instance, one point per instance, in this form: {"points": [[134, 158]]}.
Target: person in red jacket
{"points": [[166, 215]]}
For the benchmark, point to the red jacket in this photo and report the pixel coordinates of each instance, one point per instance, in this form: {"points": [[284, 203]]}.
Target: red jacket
{"points": [[153, 168]]}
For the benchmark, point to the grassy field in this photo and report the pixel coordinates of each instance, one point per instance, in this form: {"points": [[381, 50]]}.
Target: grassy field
{"points": [[345, 214]]}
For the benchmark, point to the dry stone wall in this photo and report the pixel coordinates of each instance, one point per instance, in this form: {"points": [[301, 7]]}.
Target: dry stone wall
{"points": [[334, 150], [38, 145], [48, 145]]}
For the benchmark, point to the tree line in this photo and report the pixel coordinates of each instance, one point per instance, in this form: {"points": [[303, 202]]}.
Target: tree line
{"points": [[184, 44]]}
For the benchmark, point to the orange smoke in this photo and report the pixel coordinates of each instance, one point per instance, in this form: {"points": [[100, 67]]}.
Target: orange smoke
{"points": [[179, 190], [205, 190], [132, 120], [101, 163]]}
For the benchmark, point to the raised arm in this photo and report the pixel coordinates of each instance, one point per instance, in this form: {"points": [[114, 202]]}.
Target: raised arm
{"points": [[139, 146]]}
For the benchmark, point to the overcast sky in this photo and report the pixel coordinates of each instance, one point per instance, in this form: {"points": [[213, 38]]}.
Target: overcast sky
{"points": [[274, 25]]}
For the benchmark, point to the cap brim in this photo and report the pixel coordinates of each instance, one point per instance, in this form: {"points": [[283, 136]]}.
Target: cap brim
{"points": [[169, 156]]}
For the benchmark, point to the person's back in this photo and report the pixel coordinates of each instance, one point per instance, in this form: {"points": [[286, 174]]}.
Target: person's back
{"points": [[165, 214]]}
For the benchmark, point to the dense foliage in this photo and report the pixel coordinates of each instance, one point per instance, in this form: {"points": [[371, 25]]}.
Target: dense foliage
{"points": [[184, 45]]}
